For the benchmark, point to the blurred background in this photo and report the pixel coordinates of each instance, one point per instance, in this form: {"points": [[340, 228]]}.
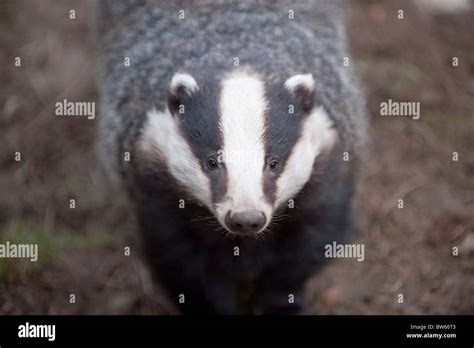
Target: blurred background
{"points": [[407, 251]]}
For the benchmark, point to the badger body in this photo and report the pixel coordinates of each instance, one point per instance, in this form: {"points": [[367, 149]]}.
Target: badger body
{"points": [[237, 117]]}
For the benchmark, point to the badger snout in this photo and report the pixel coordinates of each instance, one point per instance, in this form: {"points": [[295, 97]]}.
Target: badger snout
{"points": [[245, 222]]}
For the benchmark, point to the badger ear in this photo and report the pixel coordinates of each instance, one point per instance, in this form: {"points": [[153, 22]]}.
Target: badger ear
{"points": [[182, 86], [301, 87]]}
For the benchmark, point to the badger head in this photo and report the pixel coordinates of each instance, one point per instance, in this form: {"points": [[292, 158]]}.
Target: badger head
{"points": [[240, 145]]}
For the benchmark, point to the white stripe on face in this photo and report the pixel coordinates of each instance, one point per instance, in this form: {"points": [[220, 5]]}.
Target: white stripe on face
{"points": [[242, 123], [162, 137], [317, 133]]}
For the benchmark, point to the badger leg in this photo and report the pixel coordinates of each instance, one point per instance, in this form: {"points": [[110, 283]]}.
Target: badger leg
{"points": [[191, 282], [192, 296], [280, 287], [277, 293]]}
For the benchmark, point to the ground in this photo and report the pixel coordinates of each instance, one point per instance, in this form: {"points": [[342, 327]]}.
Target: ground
{"points": [[408, 251]]}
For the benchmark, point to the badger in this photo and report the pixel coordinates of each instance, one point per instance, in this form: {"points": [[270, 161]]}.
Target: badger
{"points": [[233, 127]]}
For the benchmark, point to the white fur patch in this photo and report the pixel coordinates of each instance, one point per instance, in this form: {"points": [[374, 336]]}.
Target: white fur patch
{"points": [[317, 134], [303, 80], [183, 80], [161, 137], [242, 122]]}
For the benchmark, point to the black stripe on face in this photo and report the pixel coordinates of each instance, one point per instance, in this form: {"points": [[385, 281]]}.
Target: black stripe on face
{"points": [[283, 130], [199, 124]]}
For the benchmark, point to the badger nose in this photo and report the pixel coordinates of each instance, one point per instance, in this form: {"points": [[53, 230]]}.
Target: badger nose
{"points": [[246, 222]]}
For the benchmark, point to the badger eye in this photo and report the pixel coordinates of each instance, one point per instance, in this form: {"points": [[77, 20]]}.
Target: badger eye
{"points": [[212, 163], [273, 165]]}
